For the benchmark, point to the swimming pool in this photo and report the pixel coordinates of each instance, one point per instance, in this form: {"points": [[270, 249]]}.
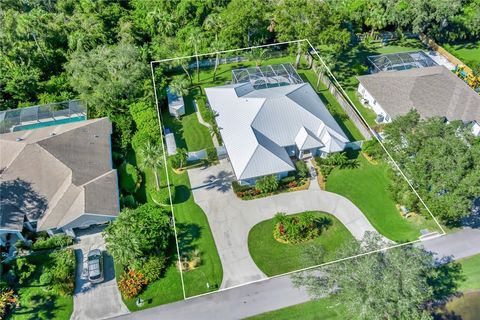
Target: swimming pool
{"points": [[48, 123]]}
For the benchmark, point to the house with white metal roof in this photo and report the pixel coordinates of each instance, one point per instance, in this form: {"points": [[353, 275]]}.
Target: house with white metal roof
{"points": [[264, 127]]}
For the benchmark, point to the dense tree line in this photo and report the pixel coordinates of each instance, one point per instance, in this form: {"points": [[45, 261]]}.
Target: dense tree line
{"points": [[442, 159]]}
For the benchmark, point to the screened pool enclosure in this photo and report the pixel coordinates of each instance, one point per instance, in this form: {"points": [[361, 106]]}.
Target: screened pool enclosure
{"points": [[399, 61], [267, 76]]}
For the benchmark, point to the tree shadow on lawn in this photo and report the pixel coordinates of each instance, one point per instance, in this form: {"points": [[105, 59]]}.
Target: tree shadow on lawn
{"points": [[187, 234], [182, 194], [44, 304]]}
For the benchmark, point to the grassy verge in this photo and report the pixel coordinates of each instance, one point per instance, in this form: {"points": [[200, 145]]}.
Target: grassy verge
{"points": [[325, 309], [193, 233], [471, 270], [468, 52], [273, 257], [37, 301], [189, 133], [367, 186]]}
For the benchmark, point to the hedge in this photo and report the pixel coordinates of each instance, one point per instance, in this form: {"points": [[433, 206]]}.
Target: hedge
{"points": [[56, 241]]}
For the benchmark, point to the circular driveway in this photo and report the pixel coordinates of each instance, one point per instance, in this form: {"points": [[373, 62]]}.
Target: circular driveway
{"points": [[231, 219]]}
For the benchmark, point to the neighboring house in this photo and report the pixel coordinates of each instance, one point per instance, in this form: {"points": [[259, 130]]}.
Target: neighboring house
{"points": [[264, 129], [432, 91], [176, 105], [57, 178]]}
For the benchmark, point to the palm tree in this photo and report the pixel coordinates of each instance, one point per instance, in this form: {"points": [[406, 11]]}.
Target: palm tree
{"points": [[179, 86], [151, 157], [196, 41], [216, 46], [257, 55]]}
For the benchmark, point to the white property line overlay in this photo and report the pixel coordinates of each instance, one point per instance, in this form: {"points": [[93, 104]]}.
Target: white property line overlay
{"points": [[152, 63], [168, 180]]}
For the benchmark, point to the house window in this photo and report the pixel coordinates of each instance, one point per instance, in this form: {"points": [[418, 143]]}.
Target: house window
{"points": [[374, 102]]}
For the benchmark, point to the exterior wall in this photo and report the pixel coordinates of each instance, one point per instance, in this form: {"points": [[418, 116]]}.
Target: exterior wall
{"points": [[251, 182], [476, 129], [373, 104]]}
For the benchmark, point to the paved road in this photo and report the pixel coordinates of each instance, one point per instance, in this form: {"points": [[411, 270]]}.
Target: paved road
{"points": [[99, 301], [276, 293], [231, 219], [233, 303]]}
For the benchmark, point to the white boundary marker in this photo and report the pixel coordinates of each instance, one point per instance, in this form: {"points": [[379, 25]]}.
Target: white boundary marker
{"points": [[152, 64]]}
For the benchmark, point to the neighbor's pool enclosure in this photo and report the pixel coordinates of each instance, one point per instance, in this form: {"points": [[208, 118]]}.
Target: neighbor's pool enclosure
{"points": [[399, 61], [42, 115], [262, 77]]}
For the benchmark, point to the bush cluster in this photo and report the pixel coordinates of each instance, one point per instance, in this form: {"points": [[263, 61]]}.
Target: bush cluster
{"points": [[302, 169], [153, 267], [298, 228], [130, 178], [131, 283], [55, 241], [373, 149], [161, 196], [267, 184]]}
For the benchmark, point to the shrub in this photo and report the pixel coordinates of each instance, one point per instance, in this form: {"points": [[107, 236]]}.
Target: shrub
{"points": [[46, 278], [132, 283], [302, 169], [63, 271], [237, 187], [23, 269], [161, 196], [298, 228], [179, 160], [372, 148], [129, 177], [287, 180], [320, 161], [212, 155], [336, 159], [128, 201], [267, 184], [153, 267], [7, 301], [325, 170], [55, 241]]}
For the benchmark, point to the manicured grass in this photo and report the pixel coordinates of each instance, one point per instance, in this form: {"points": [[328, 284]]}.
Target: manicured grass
{"points": [[471, 270], [466, 307], [273, 257], [36, 300], [367, 187], [193, 233], [189, 133], [322, 309], [469, 53]]}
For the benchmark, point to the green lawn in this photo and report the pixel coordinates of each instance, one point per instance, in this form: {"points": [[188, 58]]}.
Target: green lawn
{"points": [[193, 233], [273, 257], [189, 133], [36, 300], [367, 187], [323, 309], [469, 53], [471, 270]]}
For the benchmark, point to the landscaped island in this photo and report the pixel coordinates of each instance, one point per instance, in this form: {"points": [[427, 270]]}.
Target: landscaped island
{"points": [[277, 245]]}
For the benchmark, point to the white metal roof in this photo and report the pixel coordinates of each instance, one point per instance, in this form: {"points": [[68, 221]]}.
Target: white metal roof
{"points": [[257, 125]]}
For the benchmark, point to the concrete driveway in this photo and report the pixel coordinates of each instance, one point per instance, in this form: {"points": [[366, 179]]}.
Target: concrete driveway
{"points": [[231, 219], [98, 301]]}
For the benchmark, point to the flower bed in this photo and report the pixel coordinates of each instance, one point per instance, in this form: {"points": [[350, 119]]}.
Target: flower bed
{"points": [[287, 184], [299, 228]]}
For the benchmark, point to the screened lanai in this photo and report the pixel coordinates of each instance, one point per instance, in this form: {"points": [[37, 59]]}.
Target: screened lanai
{"points": [[399, 61], [267, 76]]}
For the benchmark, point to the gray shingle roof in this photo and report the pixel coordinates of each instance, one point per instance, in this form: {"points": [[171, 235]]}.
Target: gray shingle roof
{"points": [[55, 174], [433, 91]]}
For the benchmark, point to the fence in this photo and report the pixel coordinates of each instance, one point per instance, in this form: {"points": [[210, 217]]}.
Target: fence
{"points": [[454, 60], [49, 112], [346, 106]]}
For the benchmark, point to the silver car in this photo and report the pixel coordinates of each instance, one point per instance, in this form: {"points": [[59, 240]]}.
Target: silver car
{"points": [[95, 266]]}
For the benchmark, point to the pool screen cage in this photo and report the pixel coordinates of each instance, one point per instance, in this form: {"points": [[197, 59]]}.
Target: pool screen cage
{"points": [[9, 119], [262, 77], [399, 61]]}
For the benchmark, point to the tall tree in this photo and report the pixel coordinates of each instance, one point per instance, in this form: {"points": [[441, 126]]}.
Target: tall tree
{"points": [[390, 284], [151, 157]]}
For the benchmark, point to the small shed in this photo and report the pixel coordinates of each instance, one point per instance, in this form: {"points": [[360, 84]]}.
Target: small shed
{"points": [[176, 106], [170, 142]]}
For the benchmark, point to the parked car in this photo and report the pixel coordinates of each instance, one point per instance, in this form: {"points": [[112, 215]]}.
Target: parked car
{"points": [[95, 266]]}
